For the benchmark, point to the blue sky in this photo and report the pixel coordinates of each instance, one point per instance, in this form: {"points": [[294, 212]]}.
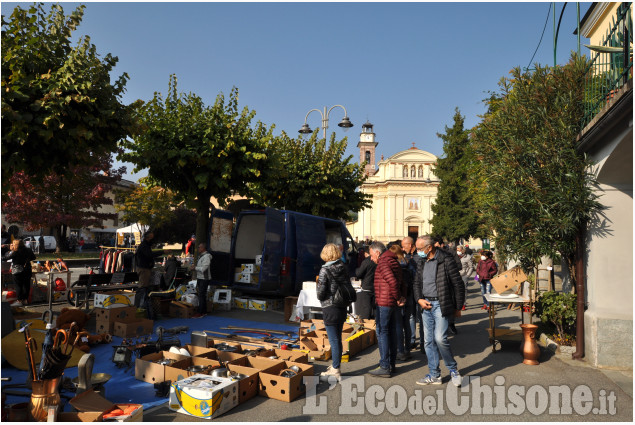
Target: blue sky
{"points": [[402, 66]]}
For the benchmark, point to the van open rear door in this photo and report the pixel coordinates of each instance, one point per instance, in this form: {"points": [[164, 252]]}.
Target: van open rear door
{"points": [[310, 236], [219, 243], [273, 251]]}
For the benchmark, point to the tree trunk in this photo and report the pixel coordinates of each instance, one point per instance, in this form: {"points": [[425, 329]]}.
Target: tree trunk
{"points": [[202, 219], [58, 238]]}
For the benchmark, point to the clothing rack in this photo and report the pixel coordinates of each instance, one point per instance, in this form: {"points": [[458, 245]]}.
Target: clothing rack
{"points": [[116, 259]]}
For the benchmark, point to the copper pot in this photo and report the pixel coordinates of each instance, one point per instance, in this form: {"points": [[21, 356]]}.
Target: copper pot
{"points": [[45, 393], [531, 351]]}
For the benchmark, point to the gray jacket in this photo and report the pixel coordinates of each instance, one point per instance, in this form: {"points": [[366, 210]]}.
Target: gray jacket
{"points": [[467, 265], [203, 270]]}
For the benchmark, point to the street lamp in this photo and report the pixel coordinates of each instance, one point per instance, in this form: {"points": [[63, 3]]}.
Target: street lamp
{"points": [[345, 123]]}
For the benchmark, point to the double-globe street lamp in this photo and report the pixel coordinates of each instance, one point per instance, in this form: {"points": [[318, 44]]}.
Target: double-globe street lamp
{"points": [[345, 123]]}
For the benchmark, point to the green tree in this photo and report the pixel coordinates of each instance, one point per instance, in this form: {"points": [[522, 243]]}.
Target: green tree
{"points": [[59, 108], [454, 216], [198, 151], [146, 204], [537, 189], [311, 176]]}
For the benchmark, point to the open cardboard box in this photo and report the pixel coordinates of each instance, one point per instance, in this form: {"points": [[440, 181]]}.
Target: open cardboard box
{"points": [[203, 396], [178, 371], [90, 401], [196, 351], [260, 363], [318, 347], [369, 338], [249, 386], [212, 343], [294, 356], [79, 417], [131, 326], [278, 387], [508, 280], [221, 356], [146, 369], [352, 342], [181, 310]]}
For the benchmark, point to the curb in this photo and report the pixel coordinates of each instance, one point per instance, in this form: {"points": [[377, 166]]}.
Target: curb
{"points": [[552, 346]]}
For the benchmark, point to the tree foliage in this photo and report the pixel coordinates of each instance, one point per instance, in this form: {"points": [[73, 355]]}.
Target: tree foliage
{"points": [[59, 108], [198, 151], [178, 229], [454, 217], [146, 204], [536, 189], [311, 176], [72, 199]]}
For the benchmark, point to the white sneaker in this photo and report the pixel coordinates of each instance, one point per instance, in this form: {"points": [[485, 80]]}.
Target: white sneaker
{"points": [[330, 371], [455, 377]]}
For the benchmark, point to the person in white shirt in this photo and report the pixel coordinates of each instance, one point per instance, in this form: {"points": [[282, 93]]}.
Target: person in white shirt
{"points": [[203, 278]]}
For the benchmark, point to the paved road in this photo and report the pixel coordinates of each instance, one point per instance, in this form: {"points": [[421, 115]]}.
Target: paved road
{"points": [[501, 387]]}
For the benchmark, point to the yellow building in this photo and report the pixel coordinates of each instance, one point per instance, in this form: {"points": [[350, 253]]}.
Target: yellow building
{"points": [[403, 187]]}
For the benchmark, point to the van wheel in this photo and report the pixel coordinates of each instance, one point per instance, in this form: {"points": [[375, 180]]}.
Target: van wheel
{"points": [[73, 297]]}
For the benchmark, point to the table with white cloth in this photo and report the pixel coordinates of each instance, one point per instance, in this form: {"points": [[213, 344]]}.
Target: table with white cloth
{"points": [[504, 334], [307, 300]]}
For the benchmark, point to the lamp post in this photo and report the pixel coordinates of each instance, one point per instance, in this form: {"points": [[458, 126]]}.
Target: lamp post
{"points": [[345, 123]]}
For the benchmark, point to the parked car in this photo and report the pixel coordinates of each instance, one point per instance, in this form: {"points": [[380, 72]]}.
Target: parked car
{"points": [[286, 243], [50, 244]]}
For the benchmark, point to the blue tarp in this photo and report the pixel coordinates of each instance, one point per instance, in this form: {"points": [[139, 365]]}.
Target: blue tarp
{"points": [[123, 387]]}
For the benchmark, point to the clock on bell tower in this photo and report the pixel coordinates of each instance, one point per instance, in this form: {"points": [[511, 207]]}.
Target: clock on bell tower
{"points": [[367, 147]]}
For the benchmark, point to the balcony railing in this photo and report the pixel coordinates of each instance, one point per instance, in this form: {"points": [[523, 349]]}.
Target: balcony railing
{"points": [[611, 64]]}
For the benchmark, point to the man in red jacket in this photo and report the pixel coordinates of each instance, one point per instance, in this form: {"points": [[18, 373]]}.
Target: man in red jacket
{"points": [[389, 295]]}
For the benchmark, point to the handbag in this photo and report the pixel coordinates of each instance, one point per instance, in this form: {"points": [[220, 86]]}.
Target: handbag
{"points": [[16, 268], [344, 295]]}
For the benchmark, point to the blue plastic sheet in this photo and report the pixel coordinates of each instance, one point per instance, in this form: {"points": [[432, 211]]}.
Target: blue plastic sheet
{"points": [[123, 387]]}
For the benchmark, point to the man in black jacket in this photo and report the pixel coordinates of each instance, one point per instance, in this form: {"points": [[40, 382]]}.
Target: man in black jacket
{"points": [[145, 263], [365, 304], [438, 243], [439, 290]]}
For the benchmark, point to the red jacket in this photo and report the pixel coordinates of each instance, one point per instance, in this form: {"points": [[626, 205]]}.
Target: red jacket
{"points": [[389, 285], [486, 269]]}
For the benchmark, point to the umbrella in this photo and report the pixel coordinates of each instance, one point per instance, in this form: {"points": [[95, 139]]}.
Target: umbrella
{"points": [[46, 345], [57, 357]]}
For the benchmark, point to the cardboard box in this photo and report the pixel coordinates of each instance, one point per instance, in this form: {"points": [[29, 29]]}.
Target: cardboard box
{"points": [[318, 346], [221, 356], [241, 302], [114, 314], [286, 355], [181, 310], [289, 304], [178, 371], [148, 370], [238, 276], [508, 280], [79, 417], [114, 299], [250, 268], [369, 338], [133, 327], [246, 277], [223, 299], [272, 385], [249, 386], [213, 342], [203, 396], [258, 260], [352, 342], [90, 401], [259, 363], [262, 304], [104, 327], [196, 351]]}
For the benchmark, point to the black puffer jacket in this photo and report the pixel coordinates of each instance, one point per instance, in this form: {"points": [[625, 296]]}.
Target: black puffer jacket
{"points": [[329, 279], [450, 286], [366, 272]]}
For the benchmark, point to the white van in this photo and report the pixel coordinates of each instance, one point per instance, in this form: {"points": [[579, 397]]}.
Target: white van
{"points": [[50, 244]]}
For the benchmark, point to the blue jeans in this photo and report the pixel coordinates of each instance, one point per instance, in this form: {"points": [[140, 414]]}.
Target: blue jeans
{"points": [[405, 328], [386, 320], [334, 333], [486, 288], [436, 339]]}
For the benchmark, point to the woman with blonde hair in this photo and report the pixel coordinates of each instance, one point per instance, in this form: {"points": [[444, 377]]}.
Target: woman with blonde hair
{"points": [[332, 274], [21, 257]]}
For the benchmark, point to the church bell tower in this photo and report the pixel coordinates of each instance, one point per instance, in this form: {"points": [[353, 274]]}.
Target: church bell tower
{"points": [[367, 147]]}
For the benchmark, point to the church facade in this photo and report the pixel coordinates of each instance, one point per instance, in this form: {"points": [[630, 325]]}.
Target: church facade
{"points": [[403, 188]]}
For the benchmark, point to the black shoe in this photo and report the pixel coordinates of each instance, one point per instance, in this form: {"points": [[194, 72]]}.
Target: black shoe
{"points": [[380, 371], [393, 369], [403, 356], [413, 346], [452, 328]]}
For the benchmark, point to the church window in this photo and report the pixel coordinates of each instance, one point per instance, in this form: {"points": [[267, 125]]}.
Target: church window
{"points": [[405, 171], [413, 172], [420, 172], [368, 157]]}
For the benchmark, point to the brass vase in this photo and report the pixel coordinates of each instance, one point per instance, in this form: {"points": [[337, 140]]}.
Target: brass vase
{"points": [[530, 348], [45, 393]]}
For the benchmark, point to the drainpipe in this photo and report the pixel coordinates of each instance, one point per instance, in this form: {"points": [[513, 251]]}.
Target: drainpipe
{"points": [[579, 281]]}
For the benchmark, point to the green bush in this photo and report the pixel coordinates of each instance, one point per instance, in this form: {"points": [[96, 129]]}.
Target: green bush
{"points": [[558, 309]]}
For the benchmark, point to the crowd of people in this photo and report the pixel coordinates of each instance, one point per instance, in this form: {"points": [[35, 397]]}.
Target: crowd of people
{"points": [[402, 284]]}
